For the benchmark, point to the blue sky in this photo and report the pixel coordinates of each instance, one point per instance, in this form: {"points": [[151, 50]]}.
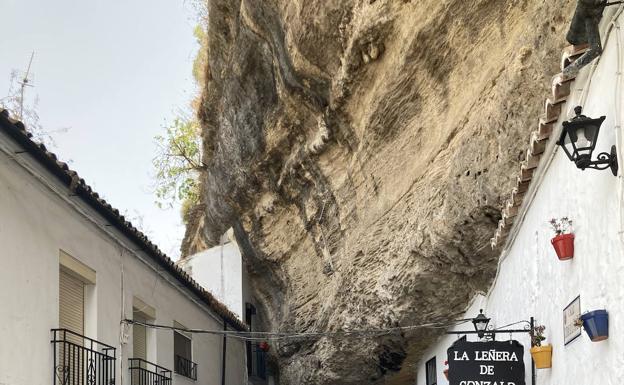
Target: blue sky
{"points": [[113, 72]]}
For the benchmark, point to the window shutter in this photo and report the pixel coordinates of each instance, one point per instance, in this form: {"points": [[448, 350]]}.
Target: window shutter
{"points": [[71, 317], [71, 304], [139, 338]]}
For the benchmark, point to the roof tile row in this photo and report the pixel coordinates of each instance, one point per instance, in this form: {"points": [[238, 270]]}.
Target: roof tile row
{"points": [[560, 90]]}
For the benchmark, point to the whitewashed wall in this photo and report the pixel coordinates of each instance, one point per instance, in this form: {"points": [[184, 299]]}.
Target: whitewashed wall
{"points": [[533, 282], [220, 271], [35, 224]]}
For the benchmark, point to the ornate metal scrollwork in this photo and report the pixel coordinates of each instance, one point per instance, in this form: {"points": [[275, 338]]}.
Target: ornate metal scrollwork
{"points": [[91, 372], [605, 161], [62, 374]]}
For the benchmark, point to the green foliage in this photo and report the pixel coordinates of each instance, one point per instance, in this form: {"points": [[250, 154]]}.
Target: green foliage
{"points": [[201, 59], [178, 163], [538, 335]]}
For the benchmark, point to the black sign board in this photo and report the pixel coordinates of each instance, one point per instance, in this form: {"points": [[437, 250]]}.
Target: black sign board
{"points": [[486, 363]]}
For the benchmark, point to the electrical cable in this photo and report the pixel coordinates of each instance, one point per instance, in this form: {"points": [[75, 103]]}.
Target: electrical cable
{"points": [[279, 336]]}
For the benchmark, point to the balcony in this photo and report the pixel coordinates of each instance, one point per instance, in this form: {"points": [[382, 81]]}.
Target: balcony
{"points": [[79, 360], [256, 364], [146, 373], [185, 367]]}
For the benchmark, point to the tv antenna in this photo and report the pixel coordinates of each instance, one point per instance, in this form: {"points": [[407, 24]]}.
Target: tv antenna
{"points": [[25, 82]]}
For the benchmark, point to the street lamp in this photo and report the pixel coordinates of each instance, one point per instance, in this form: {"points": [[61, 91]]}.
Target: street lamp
{"points": [[578, 140], [480, 323]]}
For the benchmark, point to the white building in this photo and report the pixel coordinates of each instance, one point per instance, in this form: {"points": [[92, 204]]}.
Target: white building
{"points": [[221, 271], [531, 280], [73, 269]]}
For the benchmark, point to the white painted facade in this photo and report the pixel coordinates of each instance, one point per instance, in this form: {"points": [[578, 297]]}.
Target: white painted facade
{"points": [[531, 281], [40, 219], [220, 271]]}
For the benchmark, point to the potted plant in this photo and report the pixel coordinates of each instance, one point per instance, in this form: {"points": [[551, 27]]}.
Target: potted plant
{"points": [[563, 242], [596, 325], [446, 369], [542, 355]]}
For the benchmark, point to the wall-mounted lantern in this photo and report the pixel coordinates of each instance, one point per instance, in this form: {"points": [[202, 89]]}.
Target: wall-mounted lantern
{"points": [[578, 140], [480, 323]]}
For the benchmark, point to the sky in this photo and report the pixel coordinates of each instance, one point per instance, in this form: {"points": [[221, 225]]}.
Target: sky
{"points": [[112, 72]]}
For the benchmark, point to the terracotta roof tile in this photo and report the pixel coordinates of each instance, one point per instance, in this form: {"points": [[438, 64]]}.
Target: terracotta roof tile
{"points": [[552, 109], [538, 143], [571, 53], [560, 90], [522, 186]]}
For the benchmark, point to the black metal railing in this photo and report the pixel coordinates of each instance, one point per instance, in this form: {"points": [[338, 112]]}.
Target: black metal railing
{"points": [[79, 360], [257, 366], [185, 367], [147, 373]]}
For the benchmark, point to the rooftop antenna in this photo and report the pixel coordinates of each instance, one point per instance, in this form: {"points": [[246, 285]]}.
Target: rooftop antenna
{"points": [[23, 84]]}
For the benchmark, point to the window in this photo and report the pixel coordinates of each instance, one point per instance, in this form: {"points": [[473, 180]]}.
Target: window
{"points": [[430, 368], [139, 336], [143, 338], [250, 311], [183, 354]]}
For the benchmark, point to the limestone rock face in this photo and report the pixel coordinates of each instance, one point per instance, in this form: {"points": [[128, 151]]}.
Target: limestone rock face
{"points": [[361, 149]]}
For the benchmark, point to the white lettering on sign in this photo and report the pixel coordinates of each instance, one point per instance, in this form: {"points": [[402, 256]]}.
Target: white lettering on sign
{"points": [[493, 355], [486, 369], [486, 383], [464, 356]]}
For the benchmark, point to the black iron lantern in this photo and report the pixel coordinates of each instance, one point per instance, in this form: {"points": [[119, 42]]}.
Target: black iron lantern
{"points": [[480, 323], [578, 140]]}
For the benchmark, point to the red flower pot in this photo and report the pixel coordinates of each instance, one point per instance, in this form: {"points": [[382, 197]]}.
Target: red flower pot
{"points": [[445, 373], [564, 246]]}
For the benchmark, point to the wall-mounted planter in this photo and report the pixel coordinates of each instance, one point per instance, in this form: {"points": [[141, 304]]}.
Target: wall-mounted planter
{"points": [[596, 325], [446, 373], [564, 246], [542, 356]]}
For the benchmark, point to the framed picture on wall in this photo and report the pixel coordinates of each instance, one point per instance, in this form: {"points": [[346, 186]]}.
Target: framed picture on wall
{"points": [[571, 314]]}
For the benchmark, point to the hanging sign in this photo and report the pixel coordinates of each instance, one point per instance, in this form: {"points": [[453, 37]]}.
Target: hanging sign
{"points": [[486, 363], [571, 314]]}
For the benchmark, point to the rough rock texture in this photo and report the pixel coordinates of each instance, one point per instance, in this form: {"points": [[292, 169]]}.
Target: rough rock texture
{"points": [[361, 150]]}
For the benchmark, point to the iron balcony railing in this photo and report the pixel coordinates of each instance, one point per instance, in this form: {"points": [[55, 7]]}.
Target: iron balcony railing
{"points": [[79, 360], [147, 373], [257, 366], [185, 367]]}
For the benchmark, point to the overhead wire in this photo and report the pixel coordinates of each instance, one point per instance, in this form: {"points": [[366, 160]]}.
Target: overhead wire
{"points": [[281, 336]]}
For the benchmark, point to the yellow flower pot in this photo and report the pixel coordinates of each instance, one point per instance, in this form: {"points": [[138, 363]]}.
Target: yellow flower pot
{"points": [[542, 356]]}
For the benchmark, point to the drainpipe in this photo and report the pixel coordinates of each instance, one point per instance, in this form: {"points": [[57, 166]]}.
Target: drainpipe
{"points": [[224, 353]]}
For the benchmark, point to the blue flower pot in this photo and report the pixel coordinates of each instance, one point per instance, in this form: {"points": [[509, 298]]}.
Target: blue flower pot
{"points": [[596, 325]]}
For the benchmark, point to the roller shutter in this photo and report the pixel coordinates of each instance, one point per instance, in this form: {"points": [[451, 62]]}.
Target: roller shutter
{"points": [[71, 317], [139, 338], [71, 303]]}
